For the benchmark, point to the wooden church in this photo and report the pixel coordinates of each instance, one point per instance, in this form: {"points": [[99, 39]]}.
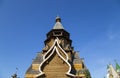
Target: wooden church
{"points": [[58, 58]]}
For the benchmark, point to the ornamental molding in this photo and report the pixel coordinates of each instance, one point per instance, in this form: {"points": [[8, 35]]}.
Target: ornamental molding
{"points": [[53, 49]]}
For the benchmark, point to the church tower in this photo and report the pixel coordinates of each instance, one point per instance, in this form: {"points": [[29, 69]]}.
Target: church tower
{"points": [[58, 58], [112, 72]]}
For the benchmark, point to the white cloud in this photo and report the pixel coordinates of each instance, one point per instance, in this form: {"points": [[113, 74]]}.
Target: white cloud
{"points": [[99, 53], [113, 35], [113, 32]]}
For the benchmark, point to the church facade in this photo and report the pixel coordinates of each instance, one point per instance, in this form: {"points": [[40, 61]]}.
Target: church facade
{"points": [[113, 72], [58, 59]]}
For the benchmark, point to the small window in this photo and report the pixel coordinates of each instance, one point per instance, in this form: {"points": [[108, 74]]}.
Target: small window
{"points": [[57, 33]]}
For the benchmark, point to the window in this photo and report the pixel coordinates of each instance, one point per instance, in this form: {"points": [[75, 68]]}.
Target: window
{"points": [[57, 33]]}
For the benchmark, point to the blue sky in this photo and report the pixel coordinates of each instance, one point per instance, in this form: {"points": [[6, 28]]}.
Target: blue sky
{"points": [[94, 26]]}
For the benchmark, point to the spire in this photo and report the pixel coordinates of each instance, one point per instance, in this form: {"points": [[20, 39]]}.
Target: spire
{"points": [[58, 24], [58, 19], [15, 74]]}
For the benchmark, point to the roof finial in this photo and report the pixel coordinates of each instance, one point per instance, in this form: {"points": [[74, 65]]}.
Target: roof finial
{"points": [[58, 24], [58, 19], [15, 74]]}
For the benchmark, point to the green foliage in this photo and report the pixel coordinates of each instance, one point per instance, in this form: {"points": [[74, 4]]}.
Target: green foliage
{"points": [[87, 73]]}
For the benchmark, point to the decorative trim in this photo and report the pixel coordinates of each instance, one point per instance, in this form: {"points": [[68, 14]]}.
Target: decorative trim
{"points": [[54, 48]]}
